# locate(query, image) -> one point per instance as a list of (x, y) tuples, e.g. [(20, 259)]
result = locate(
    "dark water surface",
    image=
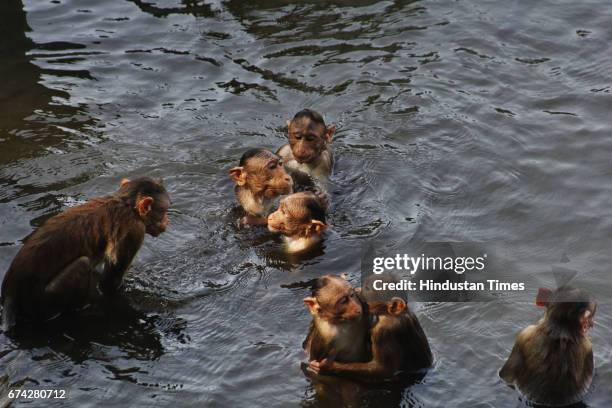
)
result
[(458, 121)]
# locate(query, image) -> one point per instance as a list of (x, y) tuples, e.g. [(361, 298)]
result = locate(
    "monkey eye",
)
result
[(310, 138), (272, 165), (344, 300), (297, 136), (280, 163)]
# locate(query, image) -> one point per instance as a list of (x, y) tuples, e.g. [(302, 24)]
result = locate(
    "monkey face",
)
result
[(263, 174), (296, 216), (151, 202), (335, 300), (158, 220), (308, 139)]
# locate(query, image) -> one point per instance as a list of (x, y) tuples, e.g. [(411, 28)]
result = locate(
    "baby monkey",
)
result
[(552, 361), (339, 328), (399, 345), (260, 179), (300, 218), (307, 155)]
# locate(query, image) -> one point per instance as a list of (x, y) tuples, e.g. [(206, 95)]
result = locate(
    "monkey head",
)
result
[(309, 136), (262, 172), (568, 307), (150, 200), (299, 215), (334, 300), (393, 307)]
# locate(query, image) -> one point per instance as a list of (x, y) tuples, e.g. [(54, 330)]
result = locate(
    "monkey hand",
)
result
[(324, 366)]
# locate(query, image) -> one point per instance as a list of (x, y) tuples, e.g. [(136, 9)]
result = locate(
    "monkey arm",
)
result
[(371, 369), (115, 269), (383, 365)]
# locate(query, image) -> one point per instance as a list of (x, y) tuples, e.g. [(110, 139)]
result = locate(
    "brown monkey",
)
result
[(85, 250), (398, 342), (552, 361), (300, 217), (260, 179), (307, 153), (339, 327)]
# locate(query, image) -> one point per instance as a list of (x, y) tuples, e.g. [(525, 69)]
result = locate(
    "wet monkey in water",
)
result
[(260, 179), (83, 252), (307, 155), (300, 218), (552, 361), (339, 327), (398, 345)]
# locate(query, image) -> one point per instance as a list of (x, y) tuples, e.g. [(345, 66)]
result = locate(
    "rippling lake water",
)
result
[(474, 121)]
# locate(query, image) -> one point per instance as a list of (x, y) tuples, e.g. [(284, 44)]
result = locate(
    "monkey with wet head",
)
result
[(260, 180), (300, 218), (552, 361), (308, 155), (83, 252), (339, 328), (397, 340)]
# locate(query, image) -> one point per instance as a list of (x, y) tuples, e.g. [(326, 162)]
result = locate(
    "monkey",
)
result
[(300, 218), (552, 361), (398, 345), (82, 253), (339, 328), (307, 155), (260, 179)]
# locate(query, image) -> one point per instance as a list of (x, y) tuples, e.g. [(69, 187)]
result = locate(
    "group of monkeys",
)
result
[(82, 254)]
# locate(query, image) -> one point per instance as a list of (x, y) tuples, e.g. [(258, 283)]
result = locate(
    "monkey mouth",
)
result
[(304, 159)]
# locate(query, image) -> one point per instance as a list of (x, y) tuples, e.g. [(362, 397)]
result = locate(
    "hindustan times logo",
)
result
[(411, 264)]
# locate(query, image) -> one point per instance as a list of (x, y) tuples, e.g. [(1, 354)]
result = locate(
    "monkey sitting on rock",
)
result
[(83, 252)]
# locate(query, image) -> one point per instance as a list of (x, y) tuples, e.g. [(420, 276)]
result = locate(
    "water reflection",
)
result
[(32, 115), (85, 334), (331, 391), (194, 7)]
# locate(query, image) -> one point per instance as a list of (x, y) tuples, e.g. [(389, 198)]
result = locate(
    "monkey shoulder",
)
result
[(527, 334), (328, 157)]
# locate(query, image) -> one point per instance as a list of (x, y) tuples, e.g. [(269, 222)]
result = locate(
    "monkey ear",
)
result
[(312, 304), (543, 297), (238, 175), (288, 123), (585, 321), (396, 306), (329, 133), (144, 205), (315, 227), (123, 182)]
